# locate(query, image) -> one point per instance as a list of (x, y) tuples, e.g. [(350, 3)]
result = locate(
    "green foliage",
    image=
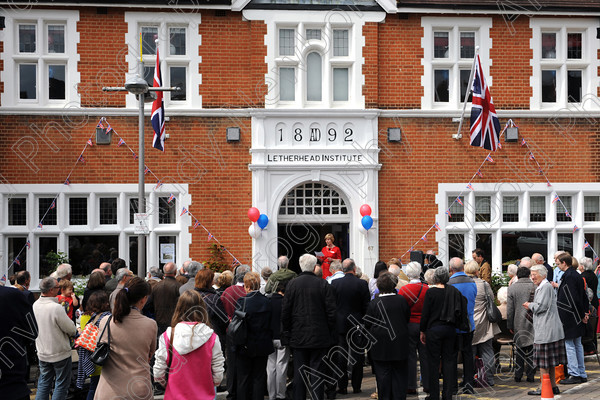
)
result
[(55, 259), (216, 262), (79, 285)]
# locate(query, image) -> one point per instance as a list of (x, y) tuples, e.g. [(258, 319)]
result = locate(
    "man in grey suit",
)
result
[(192, 269), (518, 324)]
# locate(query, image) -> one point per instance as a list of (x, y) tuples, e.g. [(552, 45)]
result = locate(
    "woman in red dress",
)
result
[(330, 253)]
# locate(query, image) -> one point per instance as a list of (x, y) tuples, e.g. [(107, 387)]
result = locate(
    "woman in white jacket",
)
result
[(189, 360)]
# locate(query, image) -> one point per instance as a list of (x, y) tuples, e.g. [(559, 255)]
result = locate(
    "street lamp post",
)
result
[(138, 86)]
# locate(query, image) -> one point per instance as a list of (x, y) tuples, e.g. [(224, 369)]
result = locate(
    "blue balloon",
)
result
[(262, 221), (367, 222)]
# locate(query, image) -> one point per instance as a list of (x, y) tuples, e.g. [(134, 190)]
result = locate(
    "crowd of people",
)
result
[(191, 332)]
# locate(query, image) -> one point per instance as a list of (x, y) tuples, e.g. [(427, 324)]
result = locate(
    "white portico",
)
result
[(337, 149)]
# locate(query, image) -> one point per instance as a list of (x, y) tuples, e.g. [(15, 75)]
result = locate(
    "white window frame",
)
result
[(326, 21), (454, 26), (41, 58), (191, 60), (470, 228), (588, 63), (93, 192)]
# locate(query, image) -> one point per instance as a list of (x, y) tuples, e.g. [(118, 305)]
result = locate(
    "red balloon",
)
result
[(365, 209), (253, 214)]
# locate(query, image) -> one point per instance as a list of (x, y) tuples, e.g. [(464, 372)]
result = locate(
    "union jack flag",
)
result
[(196, 224), (210, 236), (121, 143), (448, 214), (3, 278), (158, 184), (28, 244), (531, 156), (459, 201), (555, 199), (89, 142), (567, 213), (575, 229), (184, 211), (17, 261), (100, 125), (108, 128), (523, 142), (146, 170), (479, 174), (469, 186), (135, 157), (411, 248), (67, 181), (53, 205), (489, 159), (158, 110), (81, 159), (499, 145), (596, 259), (437, 226), (485, 126), (586, 244), (40, 225), (424, 238), (171, 198)]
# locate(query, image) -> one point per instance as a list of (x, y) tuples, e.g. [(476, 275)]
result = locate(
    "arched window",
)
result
[(313, 199), (314, 77)]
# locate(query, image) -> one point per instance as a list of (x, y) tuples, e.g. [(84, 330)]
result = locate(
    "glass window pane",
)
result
[(149, 75), (78, 211), (87, 252), (549, 45), (456, 245), (108, 211), (56, 39), (177, 41), (467, 44), (516, 245), (313, 34), (549, 86), (47, 210), (537, 208), (465, 74), (561, 213), (45, 246), (483, 241), (440, 44), (166, 210), (27, 81), (591, 206), (133, 253), (440, 83), (27, 38), (287, 84), (17, 211), (510, 209), (483, 209), (340, 42), (594, 240), (286, 42), (133, 209), (56, 82), (167, 247), (340, 84), (457, 210), (15, 249), (564, 242), (574, 86), (178, 78), (574, 46), (313, 77), (149, 35)]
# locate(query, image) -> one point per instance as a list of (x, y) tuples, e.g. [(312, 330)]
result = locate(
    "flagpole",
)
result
[(458, 135), (141, 176)]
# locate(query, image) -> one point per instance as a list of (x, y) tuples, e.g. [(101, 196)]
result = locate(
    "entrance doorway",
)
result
[(295, 239)]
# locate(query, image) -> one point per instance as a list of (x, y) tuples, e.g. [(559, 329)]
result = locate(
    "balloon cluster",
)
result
[(260, 219), (367, 220)]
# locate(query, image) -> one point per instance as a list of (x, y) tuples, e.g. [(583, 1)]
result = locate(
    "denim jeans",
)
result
[(575, 361), (93, 385), (58, 372)]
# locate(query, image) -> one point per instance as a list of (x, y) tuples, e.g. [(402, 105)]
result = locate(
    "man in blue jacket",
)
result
[(466, 286)]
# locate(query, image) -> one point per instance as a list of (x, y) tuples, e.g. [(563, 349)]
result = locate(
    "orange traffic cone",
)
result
[(547, 388)]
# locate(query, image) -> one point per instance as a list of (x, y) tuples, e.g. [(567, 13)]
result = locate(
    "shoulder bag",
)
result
[(493, 313), (237, 331), (89, 336), (102, 351)]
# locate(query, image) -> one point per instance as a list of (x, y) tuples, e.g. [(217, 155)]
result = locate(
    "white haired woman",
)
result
[(512, 273), (414, 294), (548, 335)]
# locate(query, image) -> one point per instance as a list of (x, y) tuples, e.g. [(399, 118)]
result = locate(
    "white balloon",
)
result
[(362, 229), (254, 232)]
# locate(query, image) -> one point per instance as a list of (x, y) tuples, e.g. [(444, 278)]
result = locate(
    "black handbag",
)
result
[(237, 331), (493, 313), (100, 355)]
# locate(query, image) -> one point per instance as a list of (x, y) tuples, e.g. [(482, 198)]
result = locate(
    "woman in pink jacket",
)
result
[(189, 360)]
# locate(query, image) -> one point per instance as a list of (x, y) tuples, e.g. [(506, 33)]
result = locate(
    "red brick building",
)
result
[(318, 92)]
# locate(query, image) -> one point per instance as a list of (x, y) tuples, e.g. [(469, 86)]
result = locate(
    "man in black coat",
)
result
[(352, 299), (308, 327), (573, 305), (18, 328)]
